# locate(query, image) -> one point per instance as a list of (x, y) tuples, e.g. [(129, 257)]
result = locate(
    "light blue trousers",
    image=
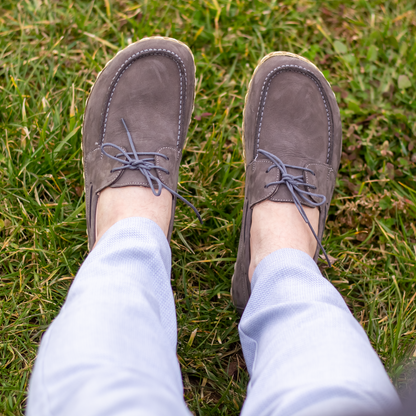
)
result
[(112, 348)]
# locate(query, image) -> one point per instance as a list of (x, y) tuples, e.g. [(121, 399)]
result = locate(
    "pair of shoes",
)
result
[(137, 117)]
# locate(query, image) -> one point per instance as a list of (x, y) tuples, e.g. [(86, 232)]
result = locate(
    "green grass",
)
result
[(50, 54)]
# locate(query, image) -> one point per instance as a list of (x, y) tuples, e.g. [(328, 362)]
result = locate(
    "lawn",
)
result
[(50, 54)]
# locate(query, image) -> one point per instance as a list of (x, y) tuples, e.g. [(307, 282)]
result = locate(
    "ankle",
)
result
[(280, 225), (116, 204)]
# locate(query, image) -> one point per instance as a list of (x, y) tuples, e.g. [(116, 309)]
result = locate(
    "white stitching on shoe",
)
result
[(330, 170), (158, 160), (276, 71), (272, 189), (151, 52)]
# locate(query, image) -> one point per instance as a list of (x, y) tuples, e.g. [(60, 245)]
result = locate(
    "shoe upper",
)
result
[(290, 114), (144, 96)]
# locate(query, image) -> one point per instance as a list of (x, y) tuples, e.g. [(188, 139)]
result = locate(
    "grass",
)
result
[(50, 54)]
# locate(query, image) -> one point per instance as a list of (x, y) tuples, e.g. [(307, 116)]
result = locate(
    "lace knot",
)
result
[(131, 160)]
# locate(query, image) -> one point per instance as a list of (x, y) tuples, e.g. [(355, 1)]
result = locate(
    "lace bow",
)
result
[(131, 160)]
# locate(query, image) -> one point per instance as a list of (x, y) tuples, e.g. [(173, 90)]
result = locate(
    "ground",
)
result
[(50, 54)]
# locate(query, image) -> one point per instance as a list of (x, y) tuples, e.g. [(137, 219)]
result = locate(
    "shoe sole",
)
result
[(108, 63)]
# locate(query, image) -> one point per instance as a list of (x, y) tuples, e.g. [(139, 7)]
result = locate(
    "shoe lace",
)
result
[(131, 160), (293, 183)]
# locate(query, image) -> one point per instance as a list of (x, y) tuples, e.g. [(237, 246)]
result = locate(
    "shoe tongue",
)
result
[(284, 195), (130, 178)]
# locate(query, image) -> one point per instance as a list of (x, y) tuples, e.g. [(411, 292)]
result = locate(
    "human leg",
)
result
[(305, 352), (112, 349)]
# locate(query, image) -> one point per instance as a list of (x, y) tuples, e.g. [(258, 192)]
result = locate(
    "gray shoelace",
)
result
[(293, 183), (131, 160)]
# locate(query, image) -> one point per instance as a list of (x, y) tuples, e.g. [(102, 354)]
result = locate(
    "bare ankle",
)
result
[(280, 225), (115, 204)]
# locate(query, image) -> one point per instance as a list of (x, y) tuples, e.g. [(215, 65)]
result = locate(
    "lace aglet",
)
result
[(329, 263), (326, 257), (197, 214)]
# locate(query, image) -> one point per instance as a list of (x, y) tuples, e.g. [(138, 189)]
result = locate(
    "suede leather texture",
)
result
[(151, 85), (292, 113)]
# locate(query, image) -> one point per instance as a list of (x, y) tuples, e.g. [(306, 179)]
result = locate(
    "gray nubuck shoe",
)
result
[(136, 121), (292, 143)]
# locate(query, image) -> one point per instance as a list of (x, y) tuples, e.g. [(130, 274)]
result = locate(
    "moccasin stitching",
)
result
[(263, 96), (141, 54), (273, 189), (329, 168), (158, 160)]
